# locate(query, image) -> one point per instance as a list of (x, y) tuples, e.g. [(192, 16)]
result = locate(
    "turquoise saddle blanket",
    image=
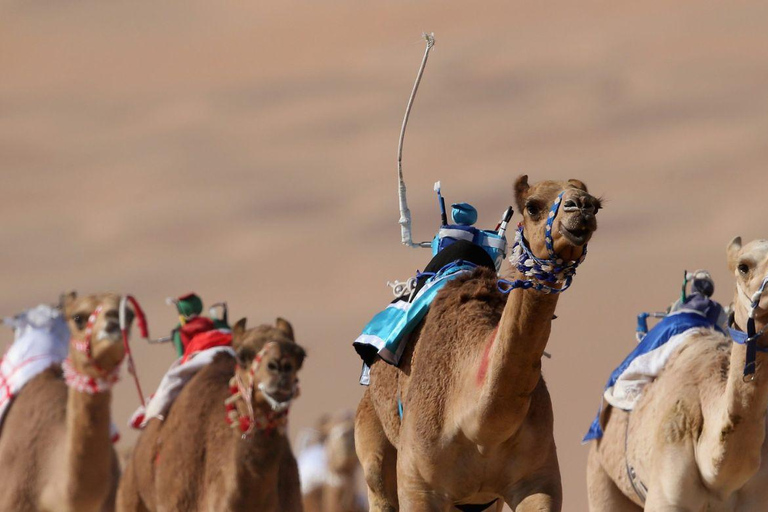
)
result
[(386, 335)]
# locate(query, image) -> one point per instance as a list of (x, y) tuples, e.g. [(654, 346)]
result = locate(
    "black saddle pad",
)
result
[(459, 250)]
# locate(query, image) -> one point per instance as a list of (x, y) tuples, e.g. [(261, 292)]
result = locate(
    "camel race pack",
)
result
[(686, 317), (197, 339), (457, 249)]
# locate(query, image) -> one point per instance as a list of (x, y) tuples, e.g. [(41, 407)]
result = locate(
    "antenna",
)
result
[(405, 212)]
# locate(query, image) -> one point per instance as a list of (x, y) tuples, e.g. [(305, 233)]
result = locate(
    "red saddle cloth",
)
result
[(199, 334)]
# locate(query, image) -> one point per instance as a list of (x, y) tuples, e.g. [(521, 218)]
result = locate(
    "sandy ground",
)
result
[(247, 152)]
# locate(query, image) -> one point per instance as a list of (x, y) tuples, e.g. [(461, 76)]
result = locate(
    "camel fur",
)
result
[(194, 461), (696, 436), (56, 453), (477, 421)]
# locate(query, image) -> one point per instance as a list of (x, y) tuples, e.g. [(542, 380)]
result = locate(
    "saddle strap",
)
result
[(640, 489)]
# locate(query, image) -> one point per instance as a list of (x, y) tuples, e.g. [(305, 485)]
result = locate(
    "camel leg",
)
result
[(378, 458), (676, 486), (128, 499), (542, 500), (603, 494), (541, 492)]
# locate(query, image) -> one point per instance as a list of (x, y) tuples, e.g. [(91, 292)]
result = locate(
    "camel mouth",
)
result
[(278, 399), (109, 335), (576, 237)]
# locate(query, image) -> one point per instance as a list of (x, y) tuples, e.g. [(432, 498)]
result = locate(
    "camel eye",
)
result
[(743, 268), (272, 366), (532, 209), (79, 321)]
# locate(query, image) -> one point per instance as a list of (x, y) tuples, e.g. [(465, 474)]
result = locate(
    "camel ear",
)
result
[(67, 299), (237, 330), (285, 327), (732, 252), (521, 191), (578, 184)]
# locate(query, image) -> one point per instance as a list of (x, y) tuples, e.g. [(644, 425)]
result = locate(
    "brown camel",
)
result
[(477, 418), (55, 449), (337, 492), (223, 445), (695, 439)]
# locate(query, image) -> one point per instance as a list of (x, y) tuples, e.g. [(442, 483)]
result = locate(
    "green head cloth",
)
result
[(189, 305)]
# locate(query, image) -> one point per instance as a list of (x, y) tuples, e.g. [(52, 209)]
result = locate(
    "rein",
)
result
[(276, 419), (751, 336), (141, 320), (546, 272)]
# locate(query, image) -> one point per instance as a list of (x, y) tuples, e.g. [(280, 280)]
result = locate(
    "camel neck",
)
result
[(510, 367), (255, 468), (747, 397), (88, 446)]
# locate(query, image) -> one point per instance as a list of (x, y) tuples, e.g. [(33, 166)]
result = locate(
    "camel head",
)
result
[(269, 361), (749, 263), (340, 443), (573, 224), (96, 346)]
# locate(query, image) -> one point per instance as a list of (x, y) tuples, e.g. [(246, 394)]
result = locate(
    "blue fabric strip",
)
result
[(387, 330), (672, 325)]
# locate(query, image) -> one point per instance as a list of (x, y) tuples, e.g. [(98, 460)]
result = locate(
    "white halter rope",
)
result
[(87, 384), (751, 337), (277, 419)]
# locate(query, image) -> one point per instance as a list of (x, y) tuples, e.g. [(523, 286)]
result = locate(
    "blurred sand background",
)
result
[(246, 151)]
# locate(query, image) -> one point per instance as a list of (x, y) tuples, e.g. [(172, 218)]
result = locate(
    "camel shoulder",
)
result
[(208, 387), (698, 369)]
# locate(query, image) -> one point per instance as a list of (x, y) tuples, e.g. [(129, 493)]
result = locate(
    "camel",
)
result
[(477, 419), (222, 445), (336, 490), (695, 439), (56, 452)]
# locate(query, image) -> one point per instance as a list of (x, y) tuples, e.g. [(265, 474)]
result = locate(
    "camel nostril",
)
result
[(570, 205), (112, 327)]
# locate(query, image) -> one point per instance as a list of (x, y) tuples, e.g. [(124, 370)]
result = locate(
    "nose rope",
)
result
[(750, 364), (141, 321), (80, 381), (552, 271), (275, 419)]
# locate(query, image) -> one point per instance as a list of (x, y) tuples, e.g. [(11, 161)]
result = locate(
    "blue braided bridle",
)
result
[(750, 338), (547, 272)]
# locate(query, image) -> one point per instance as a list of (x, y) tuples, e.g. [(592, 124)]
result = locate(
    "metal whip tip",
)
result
[(430, 38)]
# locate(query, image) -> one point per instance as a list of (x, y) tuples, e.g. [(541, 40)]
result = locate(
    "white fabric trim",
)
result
[(370, 339), (174, 381), (41, 340), (313, 467), (456, 233), (643, 370)]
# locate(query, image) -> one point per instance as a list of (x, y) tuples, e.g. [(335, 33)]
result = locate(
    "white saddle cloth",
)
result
[(643, 370), (172, 383), (41, 338)]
